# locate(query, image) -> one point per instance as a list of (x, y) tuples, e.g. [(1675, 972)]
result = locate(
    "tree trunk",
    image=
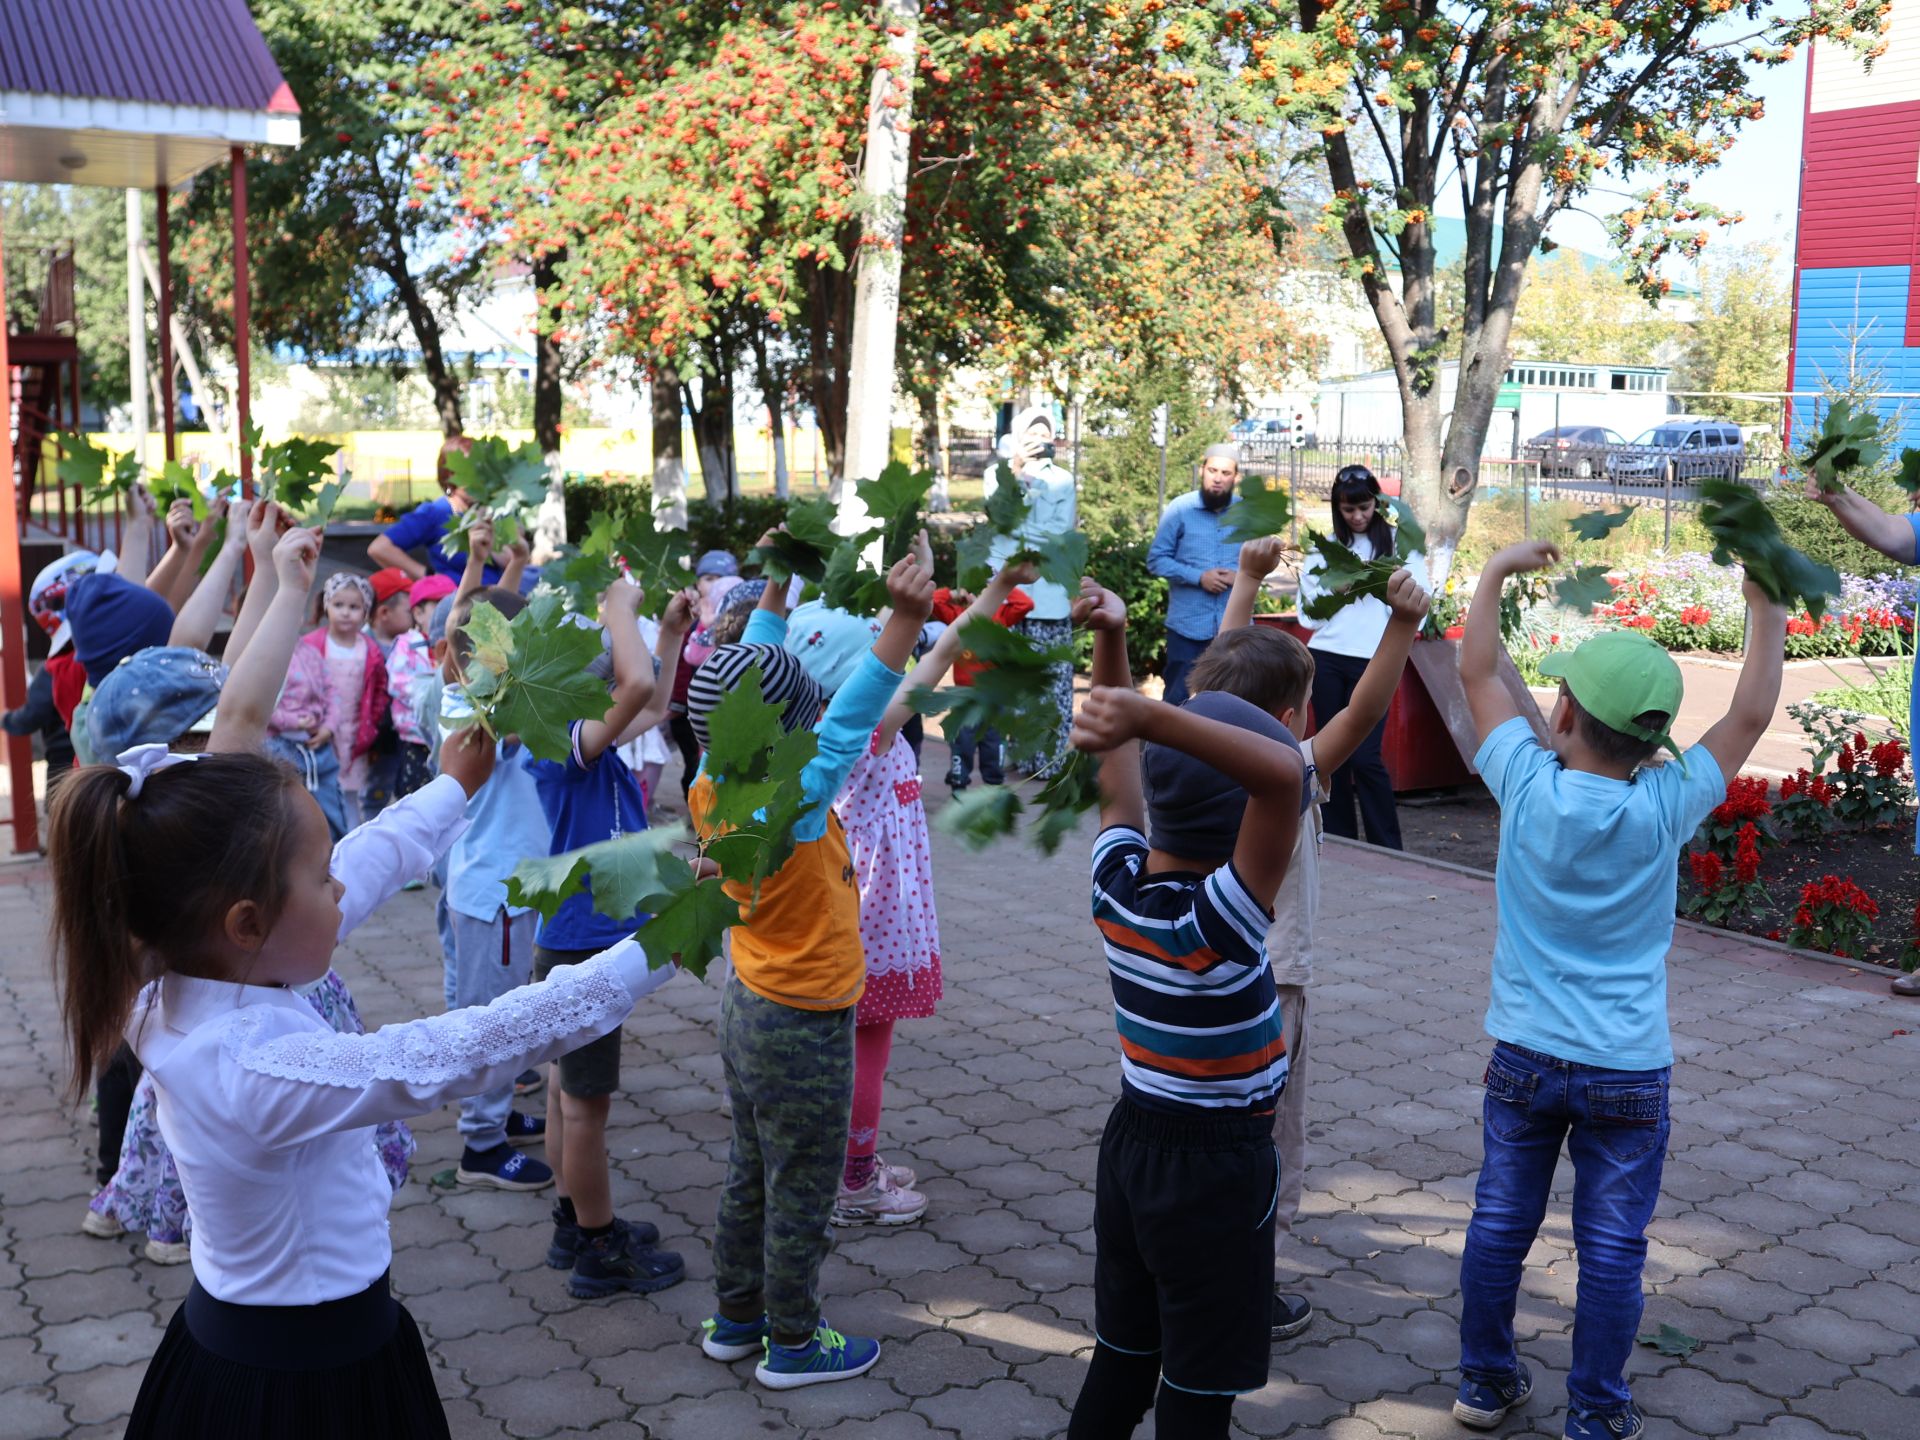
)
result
[(876, 311), (830, 337), (669, 466), (550, 527), (938, 501), (777, 431), (773, 392), (713, 437)]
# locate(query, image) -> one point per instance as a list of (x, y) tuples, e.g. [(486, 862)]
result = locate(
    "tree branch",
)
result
[(1393, 166)]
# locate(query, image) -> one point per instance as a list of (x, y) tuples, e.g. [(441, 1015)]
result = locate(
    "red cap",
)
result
[(388, 583)]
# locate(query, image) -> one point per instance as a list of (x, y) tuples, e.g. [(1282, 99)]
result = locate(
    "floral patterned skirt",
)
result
[(145, 1192)]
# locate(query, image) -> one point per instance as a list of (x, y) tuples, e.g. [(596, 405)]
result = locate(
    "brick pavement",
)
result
[(1784, 1239)]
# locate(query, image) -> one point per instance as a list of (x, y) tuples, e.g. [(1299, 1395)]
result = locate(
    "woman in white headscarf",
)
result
[(1051, 512)]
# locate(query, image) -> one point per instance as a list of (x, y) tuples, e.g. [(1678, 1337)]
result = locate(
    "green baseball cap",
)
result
[(1618, 675)]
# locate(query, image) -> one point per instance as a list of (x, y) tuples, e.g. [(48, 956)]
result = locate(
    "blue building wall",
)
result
[(1838, 307)]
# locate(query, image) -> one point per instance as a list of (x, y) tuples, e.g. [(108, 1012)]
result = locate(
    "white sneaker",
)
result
[(169, 1252), (901, 1177), (102, 1227), (880, 1202)]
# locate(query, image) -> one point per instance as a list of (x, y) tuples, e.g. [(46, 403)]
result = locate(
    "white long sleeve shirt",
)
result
[(269, 1112), (1356, 630)]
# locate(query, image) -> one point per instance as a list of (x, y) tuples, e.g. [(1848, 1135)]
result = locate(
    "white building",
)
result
[(1538, 395)]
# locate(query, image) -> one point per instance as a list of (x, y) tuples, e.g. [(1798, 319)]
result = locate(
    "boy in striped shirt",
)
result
[(1184, 1204)]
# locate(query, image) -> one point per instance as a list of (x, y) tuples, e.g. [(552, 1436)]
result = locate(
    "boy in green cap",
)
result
[(1590, 838)]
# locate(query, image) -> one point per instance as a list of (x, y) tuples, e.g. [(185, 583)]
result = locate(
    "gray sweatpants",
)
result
[(1290, 1120), (490, 957)]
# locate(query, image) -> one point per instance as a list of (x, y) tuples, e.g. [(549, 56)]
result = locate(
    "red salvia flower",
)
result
[(1746, 860), (1706, 868)]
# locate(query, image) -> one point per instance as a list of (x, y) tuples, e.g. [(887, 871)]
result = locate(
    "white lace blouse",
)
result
[(269, 1112)]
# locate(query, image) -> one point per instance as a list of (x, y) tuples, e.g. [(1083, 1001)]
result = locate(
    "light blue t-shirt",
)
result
[(505, 825), (1586, 886)]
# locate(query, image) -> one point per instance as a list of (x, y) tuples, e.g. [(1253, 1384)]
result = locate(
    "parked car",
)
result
[(1579, 451), (1687, 446)]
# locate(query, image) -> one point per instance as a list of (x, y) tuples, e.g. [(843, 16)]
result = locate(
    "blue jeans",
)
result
[(1181, 653), (1615, 1125)]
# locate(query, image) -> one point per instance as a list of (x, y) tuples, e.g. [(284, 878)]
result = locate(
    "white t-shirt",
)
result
[(1290, 938)]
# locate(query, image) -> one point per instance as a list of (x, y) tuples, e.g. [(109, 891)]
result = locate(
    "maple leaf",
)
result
[(291, 471), (1013, 696), (1262, 509), (893, 502), (619, 873), (329, 497), (84, 464), (988, 814), (1061, 559), (1598, 524), (1070, 792), (176, 482), (626, 544), (1007, 509), (1670, 1340), (1846, 440), (803, 548), (1344, 577), (688, 917), (1585, 588), (851, 585), (1744, 530), (504, 482), (528, 677), (1409, 536)]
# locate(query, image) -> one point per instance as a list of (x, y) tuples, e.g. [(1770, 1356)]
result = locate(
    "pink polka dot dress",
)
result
[(886, 826)]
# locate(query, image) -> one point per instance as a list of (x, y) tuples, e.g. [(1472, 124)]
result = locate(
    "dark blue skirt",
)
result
[(348, 1369)]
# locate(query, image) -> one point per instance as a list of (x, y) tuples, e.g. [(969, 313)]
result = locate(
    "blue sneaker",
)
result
[(525, 1129), (731, 1340), (617, 1262), (565, 1245), (828, 1356), (1619, 1425), (1483, 1404), (502, 1168)]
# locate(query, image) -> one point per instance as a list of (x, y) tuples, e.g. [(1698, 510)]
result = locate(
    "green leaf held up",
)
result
[(528, 677), (1261, 510), (1585, 588), (1847, 440), (1744, 530), (1598, 524)]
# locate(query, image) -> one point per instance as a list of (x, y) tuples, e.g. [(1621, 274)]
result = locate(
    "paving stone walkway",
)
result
[(1785, 1239)]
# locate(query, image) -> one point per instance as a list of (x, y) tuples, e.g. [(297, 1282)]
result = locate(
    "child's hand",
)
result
[(1098, 608), (910, 587), (181, 526), (467, 756), (680, 611), (1109, 717), (1405, 598), (1260, 558), (1524, 556), (622, 599), (923, 551), (294, 558), (766, 536), (140, 503), (520, 552), (480, 541), (239, 516), (263, 531), (1014, 573)]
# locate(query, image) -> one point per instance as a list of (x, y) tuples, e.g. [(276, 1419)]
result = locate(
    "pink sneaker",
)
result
[(901, 1177), (880, 1202)]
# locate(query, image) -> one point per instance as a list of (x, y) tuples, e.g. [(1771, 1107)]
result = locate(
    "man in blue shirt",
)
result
[(425, 527), (1198, 562)]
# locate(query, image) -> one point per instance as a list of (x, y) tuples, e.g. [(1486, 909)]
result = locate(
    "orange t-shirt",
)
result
[(800, 946)]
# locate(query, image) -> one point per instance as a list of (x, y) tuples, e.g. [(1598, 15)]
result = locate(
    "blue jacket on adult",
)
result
[(426, 526), (1190, 541)]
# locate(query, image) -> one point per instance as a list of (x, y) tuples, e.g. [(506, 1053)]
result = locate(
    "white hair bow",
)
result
[(144, 760)]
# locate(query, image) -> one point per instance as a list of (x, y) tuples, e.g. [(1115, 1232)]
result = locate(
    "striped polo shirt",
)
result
[(1193, 992)]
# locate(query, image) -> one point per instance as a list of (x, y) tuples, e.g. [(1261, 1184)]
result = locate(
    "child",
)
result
[(221, 869), (408, 666), (1271, 669), (590, 798), (492, 942), (1184, 1198), (336, 691), (1590, 836), (787, 1017), (951, 606), (715, 574), (392, 611)]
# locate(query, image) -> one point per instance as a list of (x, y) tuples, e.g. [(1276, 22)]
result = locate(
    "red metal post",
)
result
[(79, 533), (166, 318), (241, 307), (13, 610)]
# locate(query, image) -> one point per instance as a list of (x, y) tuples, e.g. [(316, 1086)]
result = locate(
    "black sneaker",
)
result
[(525, 1129), (615, 1262), (566, 1238), (958, 777), (1291, 1315), (528, 1082)]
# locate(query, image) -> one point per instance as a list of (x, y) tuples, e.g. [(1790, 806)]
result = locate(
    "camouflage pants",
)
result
[(790, 1077)]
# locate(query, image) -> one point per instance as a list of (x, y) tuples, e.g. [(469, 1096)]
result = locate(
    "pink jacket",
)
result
[(303, 699)]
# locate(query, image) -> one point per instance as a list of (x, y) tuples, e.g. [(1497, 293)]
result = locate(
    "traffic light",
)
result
[(1299, 437), (1160, 425)]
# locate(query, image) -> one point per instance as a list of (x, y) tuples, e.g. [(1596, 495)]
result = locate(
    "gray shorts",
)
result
[(594, 1069)]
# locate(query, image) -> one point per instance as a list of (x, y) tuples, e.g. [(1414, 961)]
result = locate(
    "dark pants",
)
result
[(915, 731), (689, 743), (966, 743), (1364, 777), (1615, 1125), (1181, 653), (113, 1095)]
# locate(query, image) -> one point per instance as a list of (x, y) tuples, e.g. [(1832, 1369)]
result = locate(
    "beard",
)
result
[(1214, 502)]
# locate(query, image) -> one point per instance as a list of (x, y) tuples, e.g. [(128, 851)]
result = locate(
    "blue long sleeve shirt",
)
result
[(1190, 541)]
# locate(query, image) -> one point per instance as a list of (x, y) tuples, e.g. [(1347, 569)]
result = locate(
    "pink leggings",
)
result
[(872, 1048)]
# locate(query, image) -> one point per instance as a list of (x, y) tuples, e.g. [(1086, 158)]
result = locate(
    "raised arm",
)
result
[(1891, 535), (518, 553), (182, 531), (194, 625), (1341, 734), (266, 523), (1492, 706), (479, 551), (205, 535), (934, 665), (253, 684), (1123, 799), (674, 625), (136, 547), (1258, 559), (773, 597), (632, 670), (1733, 737)]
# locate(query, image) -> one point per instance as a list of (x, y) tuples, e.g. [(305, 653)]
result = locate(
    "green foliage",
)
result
[(293, 471), (893, 511), (1121, 566), (1810, 528), (1743, 529), (803, 548), (529, 677), (1263, 509), (506, 484), (1119, 469), (617, 543), (1847, 440), (1598, 524), (1907, 477), (1671, 1340), (324, 504), (1585, 588), (984, 816), (84, 464), (623, 872), (176, 482), (1011, 696)]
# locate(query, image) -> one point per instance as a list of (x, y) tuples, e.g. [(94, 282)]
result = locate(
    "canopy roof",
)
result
[(134, 93)]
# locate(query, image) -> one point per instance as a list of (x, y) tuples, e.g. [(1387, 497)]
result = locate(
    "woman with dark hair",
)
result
[(1341, 649)]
